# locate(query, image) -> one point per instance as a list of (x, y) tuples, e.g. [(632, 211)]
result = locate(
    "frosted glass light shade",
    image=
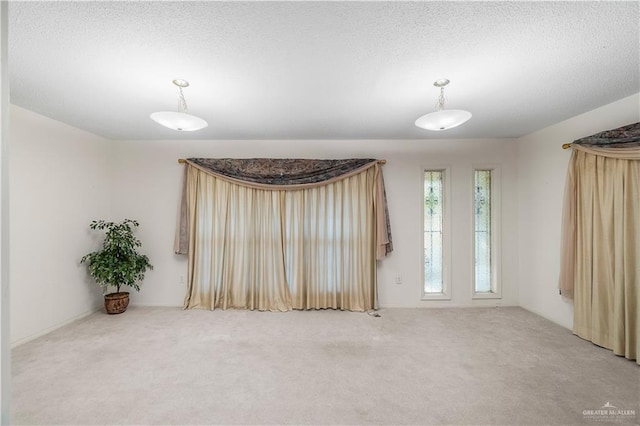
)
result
[(179, 121), (443, 120)]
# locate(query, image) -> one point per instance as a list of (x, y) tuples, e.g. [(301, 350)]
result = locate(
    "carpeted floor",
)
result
[(153, 366)]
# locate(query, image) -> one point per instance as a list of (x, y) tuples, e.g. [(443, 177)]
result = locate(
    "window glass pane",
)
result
[(482, 231), (433, 202)]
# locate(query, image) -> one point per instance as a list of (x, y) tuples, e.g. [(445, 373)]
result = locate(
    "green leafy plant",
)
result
[(118, 262)]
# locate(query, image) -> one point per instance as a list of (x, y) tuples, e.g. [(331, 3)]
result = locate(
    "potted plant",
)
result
[(117, 263)]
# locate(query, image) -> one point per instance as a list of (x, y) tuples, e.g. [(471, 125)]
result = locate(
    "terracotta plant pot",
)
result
[(116, 303)]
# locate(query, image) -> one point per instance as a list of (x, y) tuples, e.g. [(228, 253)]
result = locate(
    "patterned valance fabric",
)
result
[(622, 137), (280, 171)]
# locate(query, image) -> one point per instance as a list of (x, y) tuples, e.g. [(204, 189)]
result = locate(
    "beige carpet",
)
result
[(153, 366)]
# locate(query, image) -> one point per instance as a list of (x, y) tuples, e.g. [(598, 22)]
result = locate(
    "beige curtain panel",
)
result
[(281, 247), (601, 246)]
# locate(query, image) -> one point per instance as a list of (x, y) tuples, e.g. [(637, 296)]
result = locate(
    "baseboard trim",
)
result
[(48, 330), (446, 304)]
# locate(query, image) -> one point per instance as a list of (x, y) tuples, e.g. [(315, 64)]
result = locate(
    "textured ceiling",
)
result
[(320, 70)]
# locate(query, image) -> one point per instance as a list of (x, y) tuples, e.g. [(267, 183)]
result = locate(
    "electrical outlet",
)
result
[(398, 279)]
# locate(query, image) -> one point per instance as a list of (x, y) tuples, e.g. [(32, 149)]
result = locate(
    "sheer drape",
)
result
[(330, 248), (277, 250), (601, 246), (235, 253)]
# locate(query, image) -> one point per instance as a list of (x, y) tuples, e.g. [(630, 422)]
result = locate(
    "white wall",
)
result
[(5, 339), (542, 167), (59, 183), (147, 182)]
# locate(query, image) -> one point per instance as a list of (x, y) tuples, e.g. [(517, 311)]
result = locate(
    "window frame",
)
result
[(496, 253), (446, 233)]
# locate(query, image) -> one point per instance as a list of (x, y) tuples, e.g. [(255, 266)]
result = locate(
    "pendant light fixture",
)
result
[(179, 120), (443, 119)]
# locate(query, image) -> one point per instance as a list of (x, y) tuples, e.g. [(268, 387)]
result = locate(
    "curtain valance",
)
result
[(622, 153), (287, 174), (622, 137)]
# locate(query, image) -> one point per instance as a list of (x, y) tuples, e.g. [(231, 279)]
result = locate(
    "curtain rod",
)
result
[(566, 145), (182, 160)]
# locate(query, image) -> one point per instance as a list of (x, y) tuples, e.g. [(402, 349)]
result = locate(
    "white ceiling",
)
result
[(320, 70)]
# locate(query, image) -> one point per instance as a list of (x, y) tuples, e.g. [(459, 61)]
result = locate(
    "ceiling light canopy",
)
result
[(179, 120), (442, 119)]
